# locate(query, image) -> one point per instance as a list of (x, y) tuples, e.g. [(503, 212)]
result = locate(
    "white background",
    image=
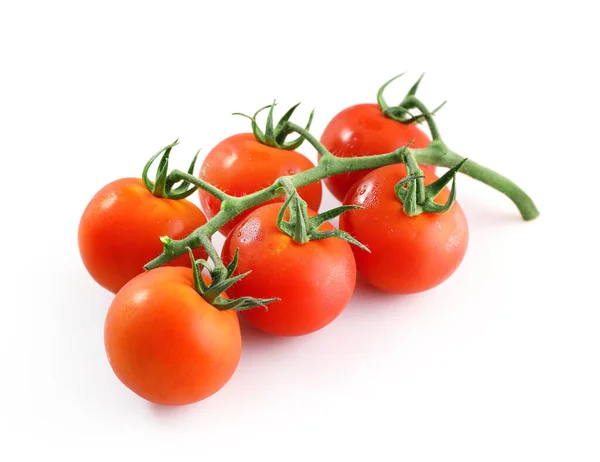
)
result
[(498, 363)]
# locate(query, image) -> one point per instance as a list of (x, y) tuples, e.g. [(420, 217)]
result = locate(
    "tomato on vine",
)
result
[(120, 229), (248, 162), (417, 235), (172, 336), (304, 261), (366, 130)]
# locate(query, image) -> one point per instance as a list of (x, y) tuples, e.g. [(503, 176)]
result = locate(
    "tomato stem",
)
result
[(444, 157), (413, 101), (178, 175), (435, 154), (304, 133)]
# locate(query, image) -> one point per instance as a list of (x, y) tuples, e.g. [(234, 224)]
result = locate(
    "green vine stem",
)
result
[(434, 154), (178, 175), (438, 154)]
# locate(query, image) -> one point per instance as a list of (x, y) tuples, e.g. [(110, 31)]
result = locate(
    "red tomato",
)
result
[(240, 165), (363, 130), (408, 254), (120, 229), (315, 280), (166, 343)]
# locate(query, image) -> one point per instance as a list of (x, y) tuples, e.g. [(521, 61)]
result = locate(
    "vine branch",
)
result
[(434, 154)]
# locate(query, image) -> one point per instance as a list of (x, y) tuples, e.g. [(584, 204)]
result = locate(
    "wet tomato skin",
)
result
[(363, 130), (408, 254)]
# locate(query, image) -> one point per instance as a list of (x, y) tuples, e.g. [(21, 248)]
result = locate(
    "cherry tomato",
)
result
[(315, 280), (240, 165), (408, 254), (120, 229), (166, 343), (363, 130)]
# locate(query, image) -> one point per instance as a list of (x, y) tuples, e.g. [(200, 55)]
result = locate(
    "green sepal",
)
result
[(199, 283), (418, 198), (269, 129), (340, 235), (185, 189), (295, 144), (408, 196), (321, 218), (162, 185), (380, 99), (281, 134), (297, 225), (234, 262), (220, 282), (303, 229), (415, 87), (258, 134), (401, 112), (158, 187), (218, 287), (245, 303), (275, 135)]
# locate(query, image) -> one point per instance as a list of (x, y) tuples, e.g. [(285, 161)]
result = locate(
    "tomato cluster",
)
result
[(175, 339)]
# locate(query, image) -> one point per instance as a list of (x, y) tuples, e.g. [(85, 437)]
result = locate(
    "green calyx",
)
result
[(222, 279), (164, 184), (418, 198), (402, 112), (303, 229), (275, 135)]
